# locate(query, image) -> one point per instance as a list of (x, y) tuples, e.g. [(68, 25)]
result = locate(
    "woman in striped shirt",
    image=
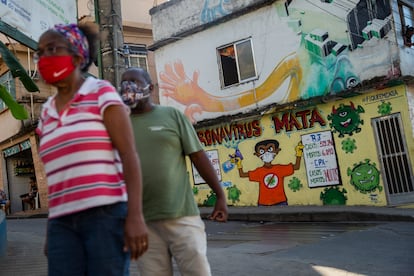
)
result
[(93, 170)]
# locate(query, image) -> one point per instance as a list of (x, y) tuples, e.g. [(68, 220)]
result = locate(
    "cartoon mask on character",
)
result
[(131, 94), (268, 157)]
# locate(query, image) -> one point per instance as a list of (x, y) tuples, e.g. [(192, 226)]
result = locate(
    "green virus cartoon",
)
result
[(195, 190), (345, 119), (294, 184), (384, 108), (210, 200), (365, 177), (333, 196), (233, 194), (348, 145)]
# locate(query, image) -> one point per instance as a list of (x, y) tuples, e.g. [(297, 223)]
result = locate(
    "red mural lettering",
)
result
[(299, 120), (280, 124), (257, 129), (303, 116), (293, 123), (218, 135), (316, 118)]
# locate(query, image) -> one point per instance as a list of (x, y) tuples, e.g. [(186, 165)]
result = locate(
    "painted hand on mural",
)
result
[(237, 160), (175, 84), (299, 149), (178, 86)]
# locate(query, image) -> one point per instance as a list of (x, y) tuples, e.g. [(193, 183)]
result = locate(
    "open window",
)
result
[(406, 10), (236, 62), (136, 56)]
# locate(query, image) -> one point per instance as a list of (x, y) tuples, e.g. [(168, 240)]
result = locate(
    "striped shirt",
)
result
[(83, 168)]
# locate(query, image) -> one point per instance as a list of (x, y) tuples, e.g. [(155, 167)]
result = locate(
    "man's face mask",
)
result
[(131, 93)]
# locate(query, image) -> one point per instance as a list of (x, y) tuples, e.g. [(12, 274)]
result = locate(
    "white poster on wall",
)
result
[(34, 17), (320, 159), (214, 159)]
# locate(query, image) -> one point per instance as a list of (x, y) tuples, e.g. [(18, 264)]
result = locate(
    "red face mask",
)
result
[(55, 68)]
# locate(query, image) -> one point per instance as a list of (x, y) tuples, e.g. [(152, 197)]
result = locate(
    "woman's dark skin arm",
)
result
[(117, 122)]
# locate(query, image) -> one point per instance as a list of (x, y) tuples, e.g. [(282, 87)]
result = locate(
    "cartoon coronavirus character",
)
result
[(195, 190), (365, 177), (346, 119), (333, 196), (384, 108), (348, 145), (210, 200), (294, 184), (233, 194)]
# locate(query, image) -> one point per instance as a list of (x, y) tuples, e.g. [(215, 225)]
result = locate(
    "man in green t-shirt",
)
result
[(164, 137)]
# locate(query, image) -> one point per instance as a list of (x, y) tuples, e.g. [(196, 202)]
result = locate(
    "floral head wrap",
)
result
[(76, 37)]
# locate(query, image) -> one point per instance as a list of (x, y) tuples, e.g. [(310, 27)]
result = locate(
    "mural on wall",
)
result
[(328, 59), (346, 119), (213, 9), (320, 159), (360, 183), (270, 177), (365, 177), (349, 145), (340, 55), (384, 108), (214, 159), (334, 196), (175, 84)]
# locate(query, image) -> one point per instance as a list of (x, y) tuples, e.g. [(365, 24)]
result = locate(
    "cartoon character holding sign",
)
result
[(270, 177)]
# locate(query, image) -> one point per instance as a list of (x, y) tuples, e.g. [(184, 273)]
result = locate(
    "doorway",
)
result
[(395, 162)]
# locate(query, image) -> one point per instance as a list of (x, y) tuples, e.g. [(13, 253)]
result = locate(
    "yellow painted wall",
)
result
[(374, 104)]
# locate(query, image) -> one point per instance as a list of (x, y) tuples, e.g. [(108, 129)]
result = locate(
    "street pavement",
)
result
[(26, 245)]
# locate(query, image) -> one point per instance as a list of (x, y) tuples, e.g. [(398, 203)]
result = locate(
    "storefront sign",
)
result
[(320, 159), (17, 148)]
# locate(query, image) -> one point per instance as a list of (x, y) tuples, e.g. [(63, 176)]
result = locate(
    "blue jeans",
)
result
[(88, 243)]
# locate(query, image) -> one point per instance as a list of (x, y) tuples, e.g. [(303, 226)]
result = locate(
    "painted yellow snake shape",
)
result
[(186, 91)]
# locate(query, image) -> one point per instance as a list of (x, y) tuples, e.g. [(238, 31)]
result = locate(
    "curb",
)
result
[(293, 214), (318, 217), (314, 214)]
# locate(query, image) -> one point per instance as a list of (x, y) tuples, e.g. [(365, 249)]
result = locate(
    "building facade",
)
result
[(334, 77), (18, 141)]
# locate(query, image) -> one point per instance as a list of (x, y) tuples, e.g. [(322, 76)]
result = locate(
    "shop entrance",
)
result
[(19, 170), (395, 161)]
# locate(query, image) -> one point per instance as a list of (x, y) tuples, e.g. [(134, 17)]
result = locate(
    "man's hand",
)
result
[(135, 237), (220, 212)]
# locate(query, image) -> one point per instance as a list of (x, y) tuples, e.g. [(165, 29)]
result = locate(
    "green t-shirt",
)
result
[(164, 137)]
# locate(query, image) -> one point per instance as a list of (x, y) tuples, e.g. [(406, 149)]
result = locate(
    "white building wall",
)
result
[(198, 54)]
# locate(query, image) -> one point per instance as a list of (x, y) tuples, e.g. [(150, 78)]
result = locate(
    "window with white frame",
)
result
[(406, 10), (136, 56), (7, 81), (237, 63)]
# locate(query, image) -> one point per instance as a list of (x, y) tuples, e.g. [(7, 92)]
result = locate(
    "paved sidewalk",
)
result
[(304, 213), (29, 244)]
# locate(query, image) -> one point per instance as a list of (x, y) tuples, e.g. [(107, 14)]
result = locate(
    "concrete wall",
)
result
[(406, 53), (178, 16), (301, 51)]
